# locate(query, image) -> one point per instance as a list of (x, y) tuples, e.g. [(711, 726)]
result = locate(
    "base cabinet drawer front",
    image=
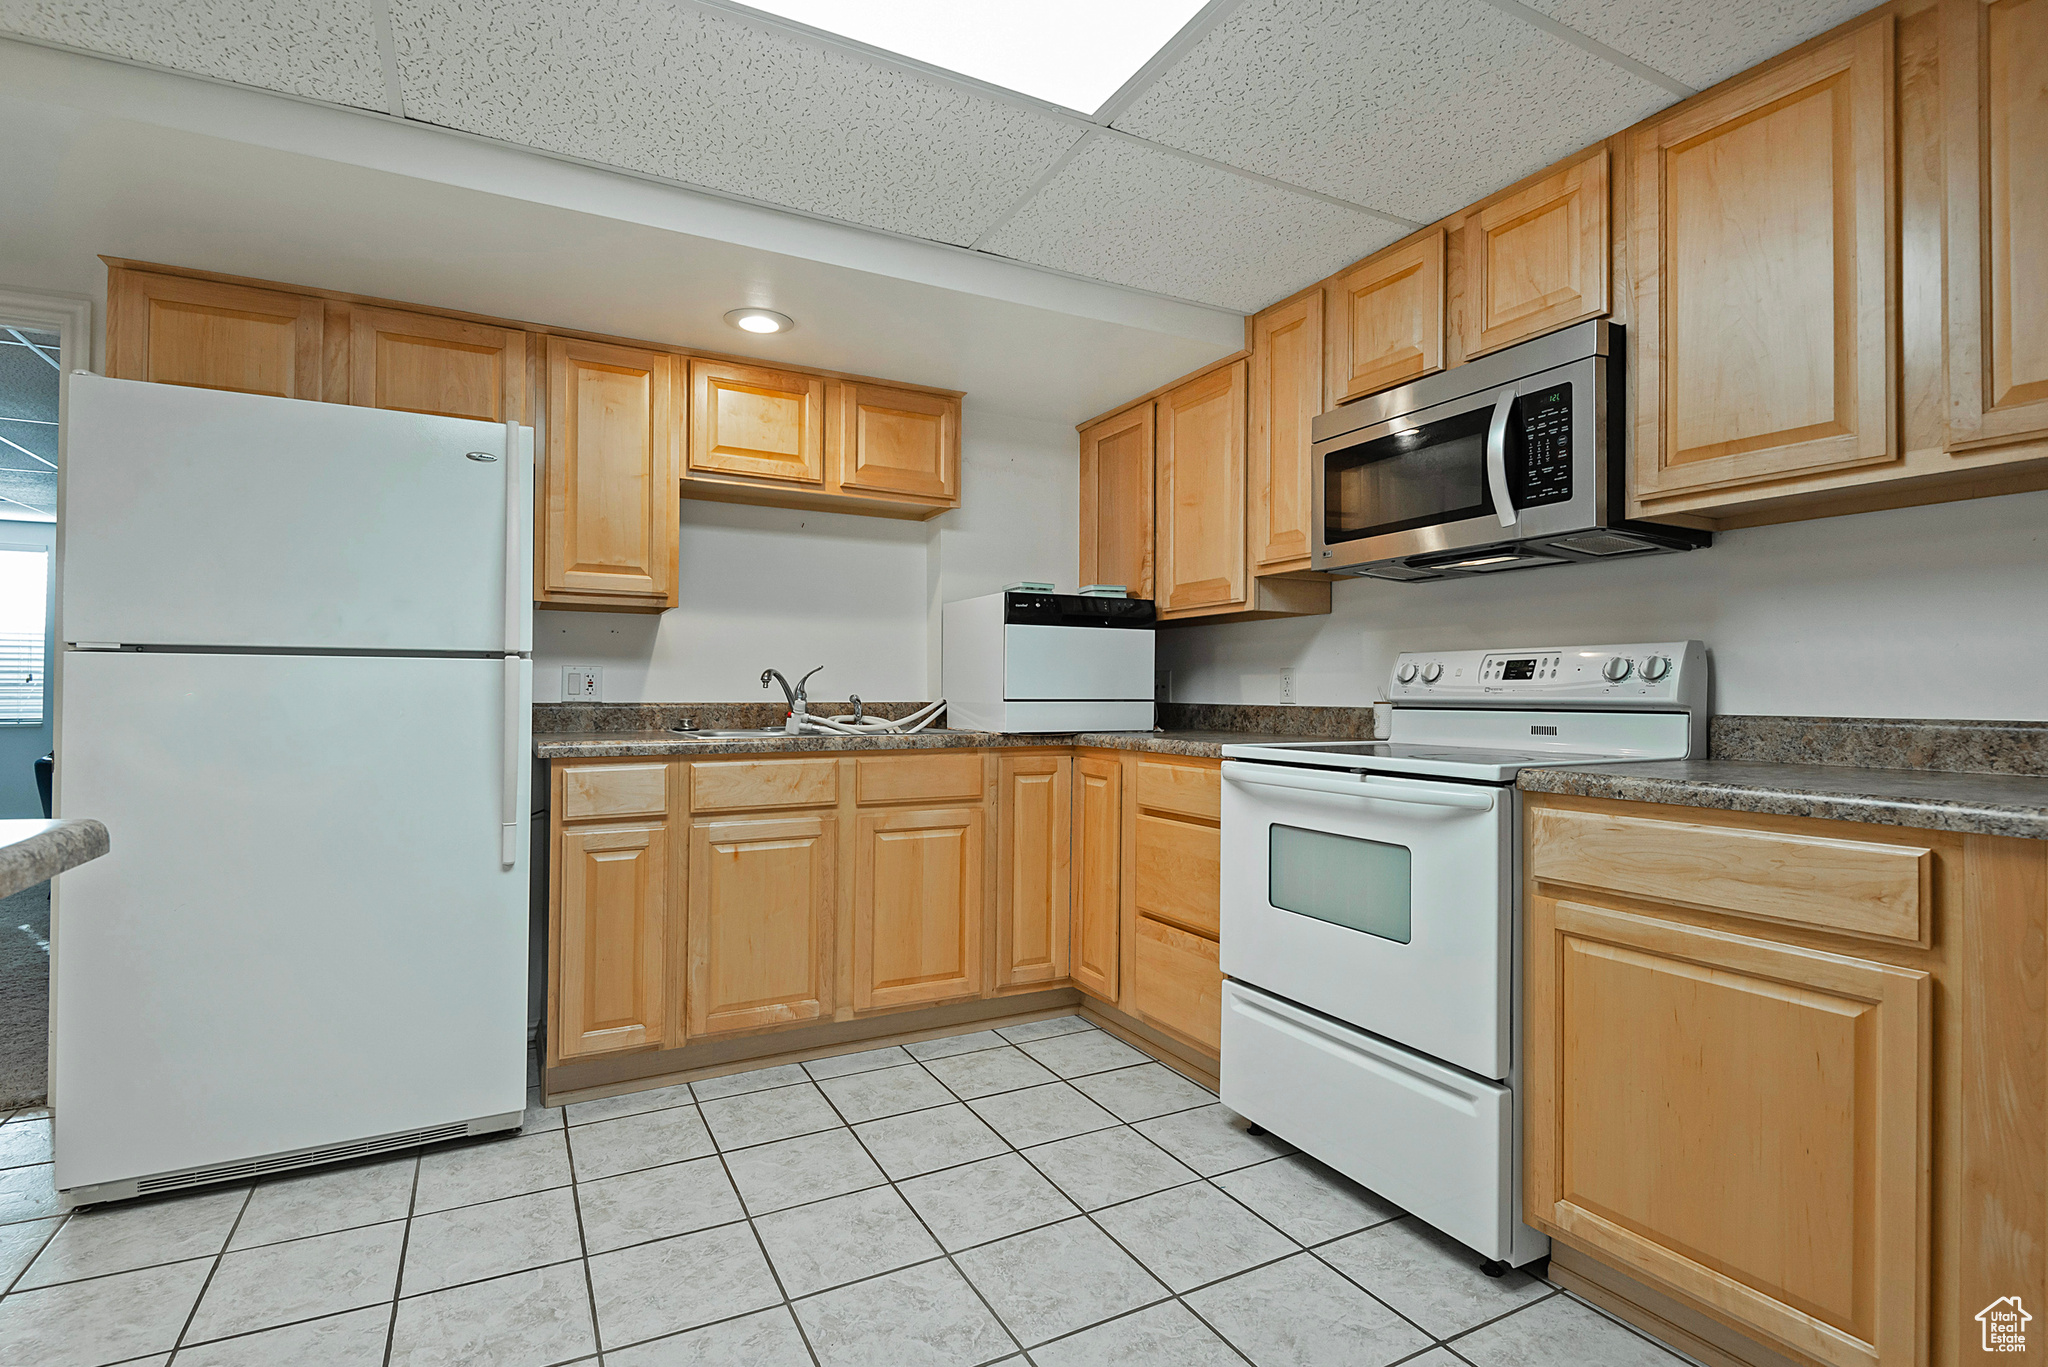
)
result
[(762, 894), (1880, 890), (1741, 1120), (736, 785), (612, 989), (1033, 876), (1098, 874), (1194, 790), (1176, 982), (917, 908), (920, 778), (592, 791), (1179, 872)]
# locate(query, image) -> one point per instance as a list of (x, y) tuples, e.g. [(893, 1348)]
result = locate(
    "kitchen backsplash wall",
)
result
[(1915, 612)]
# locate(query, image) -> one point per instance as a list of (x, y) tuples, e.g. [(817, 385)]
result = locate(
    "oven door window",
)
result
[(1422, 477), (1362, 885)]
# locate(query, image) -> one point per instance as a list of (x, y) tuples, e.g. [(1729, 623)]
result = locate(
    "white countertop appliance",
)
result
[(295, 686), (1371, 916), (1047, 663)]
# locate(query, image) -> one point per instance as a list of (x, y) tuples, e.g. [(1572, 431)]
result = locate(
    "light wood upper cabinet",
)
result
[(1098, 873), (1201, 491), (749, 420), (917, 906), (608, 522), (1537, 260), (213, 335), (1116, 501), (894, 442), (1034, 798), (1995, 104), (612, 983), (1386, 318), (1286, 396), (423, 363), (762, 893), (1764, 252)]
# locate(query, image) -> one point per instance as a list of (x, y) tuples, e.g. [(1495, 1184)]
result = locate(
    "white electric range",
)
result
[(1371, 916)]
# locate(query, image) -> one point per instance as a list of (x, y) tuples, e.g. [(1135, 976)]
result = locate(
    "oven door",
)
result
[(1383, 901)]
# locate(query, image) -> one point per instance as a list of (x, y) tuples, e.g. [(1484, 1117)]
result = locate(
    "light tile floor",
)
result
[(1039, 1194)]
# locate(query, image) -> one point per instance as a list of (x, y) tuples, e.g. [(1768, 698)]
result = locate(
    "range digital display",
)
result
[(1519, 669)]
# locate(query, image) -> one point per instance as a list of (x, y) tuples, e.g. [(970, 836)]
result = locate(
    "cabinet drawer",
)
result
[(1179, 868), (1177, 983), (764, 783), (1870, 888), (1189, 790), (608, 790), (915, 778)]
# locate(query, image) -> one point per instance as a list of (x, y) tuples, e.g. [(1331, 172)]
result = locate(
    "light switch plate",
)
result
[(582, 683)]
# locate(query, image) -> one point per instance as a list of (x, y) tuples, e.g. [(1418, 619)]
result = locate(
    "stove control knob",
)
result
[(1617, 669), (1431, 672), (1655, 668), (1406, 673)]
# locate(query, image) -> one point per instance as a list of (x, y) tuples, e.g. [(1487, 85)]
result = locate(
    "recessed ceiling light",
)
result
[(760, 320), (1074, 53)]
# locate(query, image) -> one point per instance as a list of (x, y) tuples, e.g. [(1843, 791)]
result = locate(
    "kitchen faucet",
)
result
[(799, 701)]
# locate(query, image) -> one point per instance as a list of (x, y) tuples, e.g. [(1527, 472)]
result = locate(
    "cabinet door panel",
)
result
[(897, 441), (1540, 256), (917, 907), (1032, 887), (1098, 874), (1765, 246), (1116, 501), (761, 899), (1201, 493), (1387, 319), (422, 364), (1286, 396), (1997, 161), (613, 988), (1177, 983), (610, 520), (171, 330), (1738, 1119), (748, 420)]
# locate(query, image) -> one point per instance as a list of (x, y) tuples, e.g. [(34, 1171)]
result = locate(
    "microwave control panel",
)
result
[(1546, 473)]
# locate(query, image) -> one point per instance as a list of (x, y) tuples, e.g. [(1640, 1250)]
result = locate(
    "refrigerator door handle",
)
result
[(508, 793), (515, 592)]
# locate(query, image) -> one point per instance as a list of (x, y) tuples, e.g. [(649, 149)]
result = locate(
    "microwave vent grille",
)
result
[(1399, 573), (1604, 543)]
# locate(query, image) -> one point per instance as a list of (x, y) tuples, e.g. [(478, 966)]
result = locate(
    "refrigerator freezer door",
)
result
[(200, 517), (304, 933)]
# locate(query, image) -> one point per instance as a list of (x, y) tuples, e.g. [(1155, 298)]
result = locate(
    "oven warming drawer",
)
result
[(1432, 1139)]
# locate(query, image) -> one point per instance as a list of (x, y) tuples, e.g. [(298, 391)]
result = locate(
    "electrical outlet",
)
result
[(1162, 685), (582, 683), (1287, 686)]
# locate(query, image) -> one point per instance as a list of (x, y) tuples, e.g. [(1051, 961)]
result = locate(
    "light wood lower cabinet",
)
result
[(1034, 819), (1177, 983), (1098, 873), (917, 907), (613, 939), (1173, 897), (762, 892)]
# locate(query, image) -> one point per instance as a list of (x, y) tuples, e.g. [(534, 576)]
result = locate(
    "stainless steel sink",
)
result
[(718, 733)]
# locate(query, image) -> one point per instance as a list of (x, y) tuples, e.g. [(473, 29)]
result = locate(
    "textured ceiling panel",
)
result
[(322, 49), (1414, 107), (658, 87), (1132, 215), (1701, 44)]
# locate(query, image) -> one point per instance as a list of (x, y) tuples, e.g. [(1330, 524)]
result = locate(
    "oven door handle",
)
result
[(1238, 772), (1497, 457)]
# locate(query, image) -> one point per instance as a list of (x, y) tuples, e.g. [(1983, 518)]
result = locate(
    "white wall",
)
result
[(1918, 612), (859, 595)]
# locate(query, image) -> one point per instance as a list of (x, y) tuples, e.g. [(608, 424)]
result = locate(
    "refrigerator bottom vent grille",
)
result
[(305, 1158)]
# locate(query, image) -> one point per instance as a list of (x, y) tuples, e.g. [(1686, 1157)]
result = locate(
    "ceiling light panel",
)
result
[(1075, 53), (1134, 215), (1412, 107), (322, 49), (1701, 44), (676, 92)]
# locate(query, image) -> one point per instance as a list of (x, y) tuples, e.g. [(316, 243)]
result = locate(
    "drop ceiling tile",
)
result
[(1701, 44), (323, 49), (1413, 107), (658, 87), (1135, 215)]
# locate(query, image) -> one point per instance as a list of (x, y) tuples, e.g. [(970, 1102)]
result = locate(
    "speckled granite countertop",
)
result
[(1975, 804), (610, 744), (34, 851)]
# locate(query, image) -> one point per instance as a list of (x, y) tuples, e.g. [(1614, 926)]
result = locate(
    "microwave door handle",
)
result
[(1497, 457), (1237, 772)]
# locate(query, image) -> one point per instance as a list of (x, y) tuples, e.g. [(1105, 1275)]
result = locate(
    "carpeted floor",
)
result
[(24, 996)]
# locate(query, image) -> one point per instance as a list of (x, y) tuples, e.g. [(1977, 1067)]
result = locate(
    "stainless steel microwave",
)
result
[(1512, 461)]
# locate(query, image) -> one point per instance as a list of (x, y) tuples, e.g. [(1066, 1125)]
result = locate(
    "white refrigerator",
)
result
[(296, 686)]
